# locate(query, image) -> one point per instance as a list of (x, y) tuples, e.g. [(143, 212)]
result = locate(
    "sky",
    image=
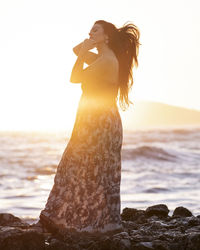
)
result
[(36, 56)]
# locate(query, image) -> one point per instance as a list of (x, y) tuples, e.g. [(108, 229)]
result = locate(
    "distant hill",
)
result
[(144, 114)]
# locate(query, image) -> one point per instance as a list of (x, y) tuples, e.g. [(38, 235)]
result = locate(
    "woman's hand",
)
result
[(87, 45)]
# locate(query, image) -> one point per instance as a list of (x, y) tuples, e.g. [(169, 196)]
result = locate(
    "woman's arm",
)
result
[(77, 48), (89, 57), (77, 70)]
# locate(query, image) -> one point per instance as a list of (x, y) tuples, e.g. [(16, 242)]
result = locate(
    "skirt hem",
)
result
[(60, 229)]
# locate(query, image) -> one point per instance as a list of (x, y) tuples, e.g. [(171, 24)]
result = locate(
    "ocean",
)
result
[(159, 166)]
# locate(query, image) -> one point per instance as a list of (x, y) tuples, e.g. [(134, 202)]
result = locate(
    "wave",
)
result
[(156, 190), (185, 130), (148, 152)]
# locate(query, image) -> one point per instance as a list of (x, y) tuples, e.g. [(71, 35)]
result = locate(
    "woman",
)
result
[(85, 197)]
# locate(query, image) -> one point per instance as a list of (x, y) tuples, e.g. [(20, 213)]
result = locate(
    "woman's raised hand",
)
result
[(88, 44)]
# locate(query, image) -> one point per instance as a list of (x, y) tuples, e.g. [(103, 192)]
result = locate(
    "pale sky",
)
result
[(36, 57)]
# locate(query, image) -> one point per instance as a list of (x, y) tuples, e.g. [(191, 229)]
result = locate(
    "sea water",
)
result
[(159, 166)]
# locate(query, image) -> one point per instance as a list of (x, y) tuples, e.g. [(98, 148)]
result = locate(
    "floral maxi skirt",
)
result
[(86, 193)]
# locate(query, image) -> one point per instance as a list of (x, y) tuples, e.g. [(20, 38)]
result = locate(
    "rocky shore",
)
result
[(150, 229)]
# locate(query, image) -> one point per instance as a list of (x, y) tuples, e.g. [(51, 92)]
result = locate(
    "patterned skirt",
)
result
[(85, 196)]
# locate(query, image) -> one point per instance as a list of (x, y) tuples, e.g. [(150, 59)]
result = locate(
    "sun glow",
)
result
[(36, 59)]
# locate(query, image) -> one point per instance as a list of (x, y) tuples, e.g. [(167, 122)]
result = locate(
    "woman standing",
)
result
[(85, 197)]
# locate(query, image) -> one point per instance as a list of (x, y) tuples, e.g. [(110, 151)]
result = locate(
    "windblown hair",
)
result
[(124, 42)]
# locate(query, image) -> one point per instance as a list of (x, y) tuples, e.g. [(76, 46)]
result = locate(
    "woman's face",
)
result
[(97, 33)]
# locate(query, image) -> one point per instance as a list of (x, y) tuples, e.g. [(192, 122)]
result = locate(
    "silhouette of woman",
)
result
[(85, 197)]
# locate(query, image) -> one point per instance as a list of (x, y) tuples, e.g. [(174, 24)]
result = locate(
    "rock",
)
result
[(132, 214), (193, 241), (181, 212), (160, 210), (160, 245), (144, 246), (150, 229), (122, 240), (7, 219), (20, 239), (57, 245)]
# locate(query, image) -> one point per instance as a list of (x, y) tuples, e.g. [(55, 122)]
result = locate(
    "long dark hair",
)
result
[(124, 42)]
